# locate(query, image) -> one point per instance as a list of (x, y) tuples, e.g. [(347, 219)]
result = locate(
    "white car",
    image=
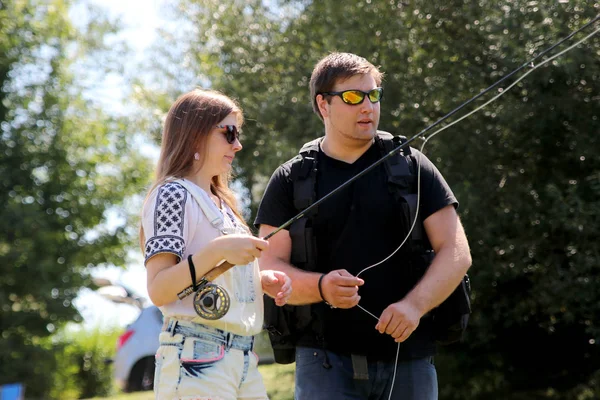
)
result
[(136, 347), (134, 359)]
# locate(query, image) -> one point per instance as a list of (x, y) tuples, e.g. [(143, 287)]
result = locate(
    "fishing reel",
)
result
[(211, 301)]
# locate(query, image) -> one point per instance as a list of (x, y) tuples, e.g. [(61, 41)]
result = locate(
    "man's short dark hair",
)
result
[(338, 67)]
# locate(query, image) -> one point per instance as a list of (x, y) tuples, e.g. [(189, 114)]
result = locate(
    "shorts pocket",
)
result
[(167, 369), (200, 354)]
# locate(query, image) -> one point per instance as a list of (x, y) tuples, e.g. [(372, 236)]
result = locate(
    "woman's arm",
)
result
[(167, 277)]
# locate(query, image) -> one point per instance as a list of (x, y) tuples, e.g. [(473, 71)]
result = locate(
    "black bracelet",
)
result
[(192, 272), (321, 291)]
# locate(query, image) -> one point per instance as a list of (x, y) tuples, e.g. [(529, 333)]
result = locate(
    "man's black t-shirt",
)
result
[(357, 227)]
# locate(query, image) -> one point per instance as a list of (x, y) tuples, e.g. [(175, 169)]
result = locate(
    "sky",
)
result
[(140, 19)]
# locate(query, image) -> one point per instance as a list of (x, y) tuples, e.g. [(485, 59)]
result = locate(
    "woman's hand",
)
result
[(240, 249), (277, 285)]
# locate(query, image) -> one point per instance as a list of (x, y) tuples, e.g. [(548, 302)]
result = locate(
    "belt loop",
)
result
[(173, 327), (165, 325), (360, 367), (229, 340)]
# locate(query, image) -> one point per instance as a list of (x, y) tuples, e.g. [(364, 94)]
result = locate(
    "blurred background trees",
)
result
[(526, 169), (65, 167)]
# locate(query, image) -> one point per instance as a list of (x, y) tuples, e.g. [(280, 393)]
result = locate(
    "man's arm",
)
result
[(339, 288), (451, 262)]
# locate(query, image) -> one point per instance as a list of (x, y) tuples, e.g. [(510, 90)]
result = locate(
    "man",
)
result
[(345, 353)]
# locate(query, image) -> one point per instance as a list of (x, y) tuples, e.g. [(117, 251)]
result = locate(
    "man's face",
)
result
[(351, 122)]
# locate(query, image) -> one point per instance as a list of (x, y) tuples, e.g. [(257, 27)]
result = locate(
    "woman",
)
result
[(190, 223)]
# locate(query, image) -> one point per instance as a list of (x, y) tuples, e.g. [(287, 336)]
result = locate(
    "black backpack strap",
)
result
[(402, 177), (304, 178), (287, 324), (304, 175), (399, 165), (450, 318)]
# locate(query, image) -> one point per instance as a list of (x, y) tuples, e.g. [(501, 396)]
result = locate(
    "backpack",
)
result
[(285, 325)]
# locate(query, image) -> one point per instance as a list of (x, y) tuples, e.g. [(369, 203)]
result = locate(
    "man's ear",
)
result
[(323, 105)]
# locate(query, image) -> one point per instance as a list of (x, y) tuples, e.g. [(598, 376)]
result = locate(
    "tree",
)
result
[(525, 169), (65, 166)]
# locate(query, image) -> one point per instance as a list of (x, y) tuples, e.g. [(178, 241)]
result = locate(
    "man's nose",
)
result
[(366, 106)]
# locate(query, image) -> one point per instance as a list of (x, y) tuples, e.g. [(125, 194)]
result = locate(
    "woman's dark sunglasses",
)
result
[(231, 132), (355, 96)]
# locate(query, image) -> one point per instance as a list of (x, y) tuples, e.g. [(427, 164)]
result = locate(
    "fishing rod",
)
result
[(529, 63), (224, 266)]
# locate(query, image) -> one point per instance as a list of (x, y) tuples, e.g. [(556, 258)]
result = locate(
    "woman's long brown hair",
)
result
[(189, 121)]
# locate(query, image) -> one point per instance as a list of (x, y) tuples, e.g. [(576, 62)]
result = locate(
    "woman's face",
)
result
[(219, 152)]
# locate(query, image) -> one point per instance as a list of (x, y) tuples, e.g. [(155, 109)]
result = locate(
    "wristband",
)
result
[(192, 272), (321, 291)]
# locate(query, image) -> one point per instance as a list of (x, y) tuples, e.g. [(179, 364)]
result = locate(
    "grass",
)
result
[(279, 380), (129, 396)]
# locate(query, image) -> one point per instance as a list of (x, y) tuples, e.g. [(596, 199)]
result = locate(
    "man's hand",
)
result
[(340, 289), (277, 285), (399, 320)]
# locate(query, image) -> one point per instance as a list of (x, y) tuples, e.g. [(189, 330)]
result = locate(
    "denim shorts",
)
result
[(195, 361), (415, 379)]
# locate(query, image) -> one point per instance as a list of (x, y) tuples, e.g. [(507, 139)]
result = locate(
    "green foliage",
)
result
[(262, 347), (526, 169), (279, 380), (65, 167), (81, 368), (129, 396)]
